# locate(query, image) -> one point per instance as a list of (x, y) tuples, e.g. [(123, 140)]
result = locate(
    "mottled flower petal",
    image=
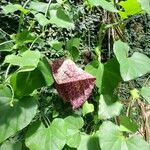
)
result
[(72, 83)]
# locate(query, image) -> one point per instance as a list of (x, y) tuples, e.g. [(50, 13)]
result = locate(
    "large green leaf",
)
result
[(96, 69), (73, 47), (131, 67), (6, 46), (38, 6), (17, 117), (45, 69), (111, 77), (129, 9), (89, 142), (104, 4), (134, 66), (52, 138), (24, 83), (42, 20), (11, 8), (145, 4), (108, 107), (28, 59), (5, 93), (111, 138), (22, 38), (60, 18), (107, 75), (7, 145), (126, 124), (55, 44), (145, 92), (121, 50), (42, 7), (73, 124)]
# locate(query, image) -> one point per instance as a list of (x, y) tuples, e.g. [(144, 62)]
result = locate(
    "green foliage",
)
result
[(88, 142), (24, 83), (11, 146), (145, 4), (6, 46), (42, 20), (112, 138), (145, 92), (24, 60), (129, 9), (96, 69), (130, 67), (15, 115), (108, 107), (104, 4), (60, 18), (55, 44), (33, 115), (54, 135), (38, 6), (44, 68), (11, 8), (87, 108), (73, 47), (127, 125), (73, 124)]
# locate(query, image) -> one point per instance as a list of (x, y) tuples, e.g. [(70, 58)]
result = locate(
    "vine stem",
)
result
[(21, 16), (43, 27), (4, 32), (146, 81), (6, 42), (35, 40), (48, 7), (7, 71), (13, 94), (129, 107), (25, 4)]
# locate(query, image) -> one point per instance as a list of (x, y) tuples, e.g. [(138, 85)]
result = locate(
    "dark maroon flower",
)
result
[(72, 83)]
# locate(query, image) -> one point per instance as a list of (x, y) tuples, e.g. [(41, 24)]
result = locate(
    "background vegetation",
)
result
[(109, 39)]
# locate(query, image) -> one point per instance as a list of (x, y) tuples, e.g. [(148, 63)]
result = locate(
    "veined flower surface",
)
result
[(72, 83)]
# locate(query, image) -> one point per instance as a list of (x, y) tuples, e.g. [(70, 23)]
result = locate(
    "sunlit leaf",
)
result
[(73, 124), (89, 142), (23, 38), (24, 83), (145, 92), (26, 59), (55, 44), (52, 138), (73, 47), (108, 107), (45, 69), (131, 67), (6, 46), (42, 20), (87, 108), (111, 138), (145, 4), (126, 124), (104, 4), (17, 117), (129, 9), (8, 145), (60, 18), (11, 8)]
